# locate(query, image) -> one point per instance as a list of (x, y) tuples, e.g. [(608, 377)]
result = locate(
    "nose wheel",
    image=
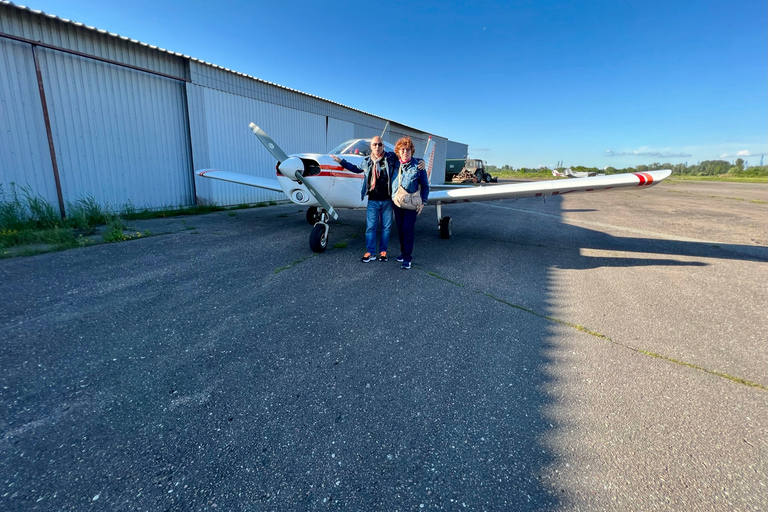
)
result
[(318, 238), (313, 215)]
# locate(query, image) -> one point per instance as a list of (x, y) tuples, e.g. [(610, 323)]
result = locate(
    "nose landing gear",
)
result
[(318, 238)]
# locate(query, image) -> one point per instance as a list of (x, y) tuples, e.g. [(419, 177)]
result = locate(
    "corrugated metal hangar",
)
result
[(85, 114)]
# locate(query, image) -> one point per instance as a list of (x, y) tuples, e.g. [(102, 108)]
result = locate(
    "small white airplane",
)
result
[(316, 181), (568, 173)]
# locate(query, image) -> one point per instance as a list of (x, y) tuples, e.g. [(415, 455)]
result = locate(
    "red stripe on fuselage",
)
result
[(339, 175)]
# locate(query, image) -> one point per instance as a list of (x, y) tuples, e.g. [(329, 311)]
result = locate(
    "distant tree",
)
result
[(641, 168), (713, 167), (740, 164)]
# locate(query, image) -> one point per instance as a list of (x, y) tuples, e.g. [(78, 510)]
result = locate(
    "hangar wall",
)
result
[(85, 114)]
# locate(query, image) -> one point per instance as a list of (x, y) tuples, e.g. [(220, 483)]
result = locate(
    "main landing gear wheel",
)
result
[(445, 227), (318, 238), (313, 215)]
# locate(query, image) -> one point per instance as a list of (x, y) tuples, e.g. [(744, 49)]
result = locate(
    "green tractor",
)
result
[(460, 170)]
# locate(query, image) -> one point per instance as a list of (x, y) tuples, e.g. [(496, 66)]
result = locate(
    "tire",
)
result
[(313, 215), (445, 228), (488, 178), (318, 242), (479, 176)]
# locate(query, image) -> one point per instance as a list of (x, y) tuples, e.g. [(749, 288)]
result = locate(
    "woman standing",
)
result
[(411, 179)]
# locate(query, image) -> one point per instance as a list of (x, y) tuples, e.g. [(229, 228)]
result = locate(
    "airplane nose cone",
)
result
[(291, 167)]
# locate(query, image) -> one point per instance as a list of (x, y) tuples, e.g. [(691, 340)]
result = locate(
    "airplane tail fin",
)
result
[(429, 158)]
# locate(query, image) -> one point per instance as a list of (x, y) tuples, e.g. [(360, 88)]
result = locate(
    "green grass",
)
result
[(31, 225), (725, 177)]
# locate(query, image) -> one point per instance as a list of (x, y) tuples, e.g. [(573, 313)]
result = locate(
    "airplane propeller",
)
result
[(293, 168), (271, 145)]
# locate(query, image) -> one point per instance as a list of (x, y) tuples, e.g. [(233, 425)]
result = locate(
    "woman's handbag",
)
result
[(402, 198)]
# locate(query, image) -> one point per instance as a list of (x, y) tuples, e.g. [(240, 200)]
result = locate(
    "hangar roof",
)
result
[(163, 50)]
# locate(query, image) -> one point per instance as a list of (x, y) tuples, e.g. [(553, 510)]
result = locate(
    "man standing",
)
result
[(378, 169)]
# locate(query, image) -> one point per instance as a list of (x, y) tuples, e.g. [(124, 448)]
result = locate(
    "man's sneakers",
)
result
[(368, 257)]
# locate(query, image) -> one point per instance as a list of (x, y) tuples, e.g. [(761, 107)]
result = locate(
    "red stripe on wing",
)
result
[(649, 177)]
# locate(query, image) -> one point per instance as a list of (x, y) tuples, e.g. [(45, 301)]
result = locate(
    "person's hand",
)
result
[(419, 209), (336, 159), (421, 166)]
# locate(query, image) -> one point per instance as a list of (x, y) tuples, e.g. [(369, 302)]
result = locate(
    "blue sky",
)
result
[(523, 83)]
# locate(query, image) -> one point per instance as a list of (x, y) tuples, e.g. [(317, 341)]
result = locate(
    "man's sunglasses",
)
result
[(376, 144)]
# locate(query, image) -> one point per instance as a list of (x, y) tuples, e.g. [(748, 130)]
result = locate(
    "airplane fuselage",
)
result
[(340, 187)]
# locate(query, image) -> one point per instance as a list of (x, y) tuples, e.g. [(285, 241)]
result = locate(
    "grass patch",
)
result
[(294, 263), (713, 372), (437, 276), (31, 225), (725, 177)]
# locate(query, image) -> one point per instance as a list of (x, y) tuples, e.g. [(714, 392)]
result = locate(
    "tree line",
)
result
[(705, 168)]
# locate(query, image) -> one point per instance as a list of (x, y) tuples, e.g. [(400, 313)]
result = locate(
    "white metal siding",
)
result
[(338, 132), (52, 30), (232, 146), (120, 134), (24, 154)]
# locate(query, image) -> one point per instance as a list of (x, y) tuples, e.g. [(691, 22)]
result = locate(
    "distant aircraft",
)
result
[(316, 181), (568, 173)]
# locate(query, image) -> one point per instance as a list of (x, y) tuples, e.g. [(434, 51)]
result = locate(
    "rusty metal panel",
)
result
[(24, 153), (121, 135)]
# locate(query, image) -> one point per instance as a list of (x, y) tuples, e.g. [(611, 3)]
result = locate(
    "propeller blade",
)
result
[(320, 199), (291, 167), (271, 145)]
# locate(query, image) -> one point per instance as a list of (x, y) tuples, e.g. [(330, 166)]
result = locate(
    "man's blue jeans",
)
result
[(378, 216)]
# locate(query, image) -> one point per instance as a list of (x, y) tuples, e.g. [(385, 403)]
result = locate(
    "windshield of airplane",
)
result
[(361, 147)]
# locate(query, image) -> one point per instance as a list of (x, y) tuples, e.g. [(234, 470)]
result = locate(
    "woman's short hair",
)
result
[(405, 142)]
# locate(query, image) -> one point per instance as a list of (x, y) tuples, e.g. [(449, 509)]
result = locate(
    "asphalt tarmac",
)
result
[(600, 351)]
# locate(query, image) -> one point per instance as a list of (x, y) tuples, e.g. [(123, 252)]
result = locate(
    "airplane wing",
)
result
[(548, 187), (242, 179)]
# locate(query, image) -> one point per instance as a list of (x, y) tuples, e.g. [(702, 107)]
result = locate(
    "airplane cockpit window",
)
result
[(359, 147)]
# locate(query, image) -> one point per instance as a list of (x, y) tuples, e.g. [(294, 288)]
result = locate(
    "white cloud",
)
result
[(646, 152), (741, 154)]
